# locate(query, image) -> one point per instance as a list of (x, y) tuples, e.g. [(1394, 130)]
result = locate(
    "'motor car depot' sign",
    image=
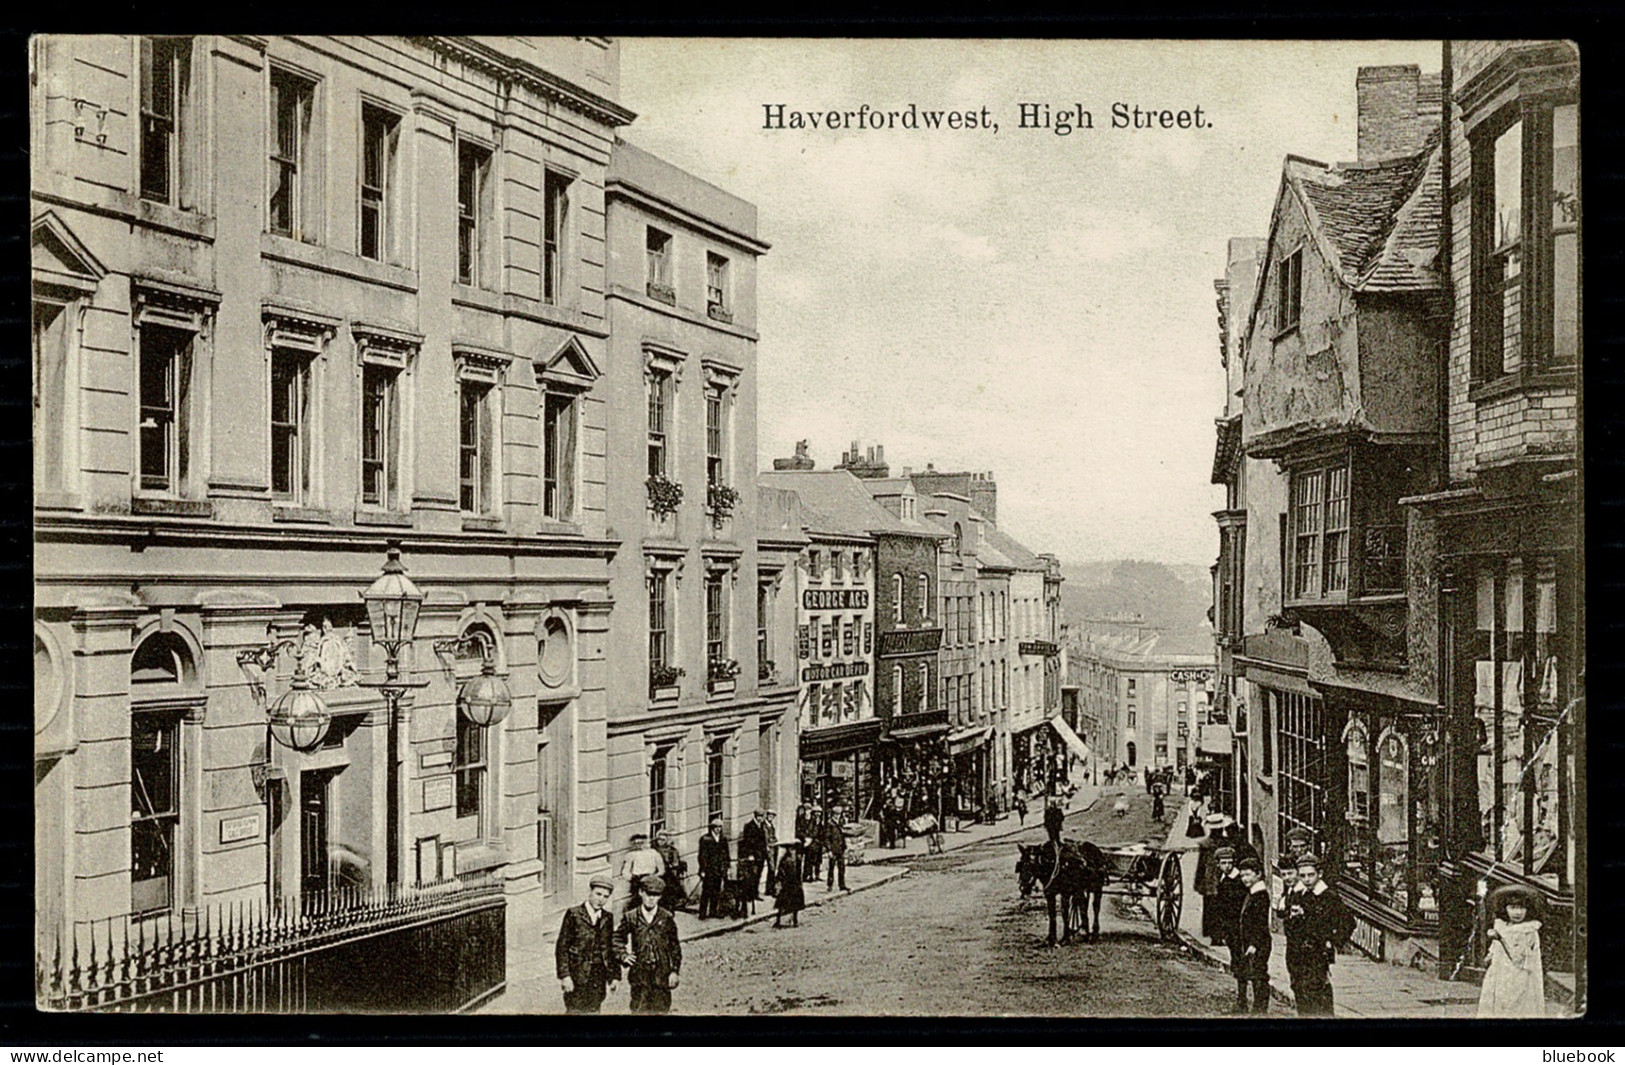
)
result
[(835, 599), (1039, 647)]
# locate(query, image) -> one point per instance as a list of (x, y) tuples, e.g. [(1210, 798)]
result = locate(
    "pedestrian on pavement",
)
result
[(1208, 873), (641, 861), (1021, 807), (791, 897), (813, 841), (588, 966), (714, 860), (1158, 810), (1252, 943), (1287, 870), (1515, 980), (835, 846), (1227, 899), (753, 854), (1317, 923), (647, 944), (674, 873), (771, 831)]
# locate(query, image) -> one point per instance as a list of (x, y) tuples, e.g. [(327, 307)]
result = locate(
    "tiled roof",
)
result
[(1381, 222), (840, 504), (1011, 548)]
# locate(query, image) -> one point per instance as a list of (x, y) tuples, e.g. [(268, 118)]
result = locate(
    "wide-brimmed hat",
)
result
[(1496, 902), (1216, 820)]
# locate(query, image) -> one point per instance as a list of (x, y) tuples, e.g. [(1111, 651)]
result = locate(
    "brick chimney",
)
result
[(1396, 110), (799, 461)]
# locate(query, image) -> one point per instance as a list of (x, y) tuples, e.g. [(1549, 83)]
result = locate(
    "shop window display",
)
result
[(1522, 682)]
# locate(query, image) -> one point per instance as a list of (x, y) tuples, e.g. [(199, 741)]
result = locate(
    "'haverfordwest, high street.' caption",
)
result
[(1061, 120)]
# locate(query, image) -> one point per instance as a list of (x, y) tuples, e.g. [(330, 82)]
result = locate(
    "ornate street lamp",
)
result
[(393, 602), (486, 699), (299, 719)]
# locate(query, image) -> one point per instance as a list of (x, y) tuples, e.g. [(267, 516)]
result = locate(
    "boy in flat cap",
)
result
[(648, 946), (585, 954), (641, 861), (1316, 923), (1251, 944)]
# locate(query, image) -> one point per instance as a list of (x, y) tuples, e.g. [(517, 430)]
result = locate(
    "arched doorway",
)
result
[(1131, 755)]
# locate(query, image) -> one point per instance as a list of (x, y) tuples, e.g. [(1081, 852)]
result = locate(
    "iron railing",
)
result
[(437, 948)]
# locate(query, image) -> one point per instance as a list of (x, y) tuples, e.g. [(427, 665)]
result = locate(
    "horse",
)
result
[(1073, 873)]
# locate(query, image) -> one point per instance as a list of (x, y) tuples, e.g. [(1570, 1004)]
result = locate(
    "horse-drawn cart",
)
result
[(1142, 872)]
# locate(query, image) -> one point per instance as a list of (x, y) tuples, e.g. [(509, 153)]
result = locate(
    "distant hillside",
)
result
[(1173, 599)]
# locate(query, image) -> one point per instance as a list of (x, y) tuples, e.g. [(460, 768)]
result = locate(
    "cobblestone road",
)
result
[(955, 937)]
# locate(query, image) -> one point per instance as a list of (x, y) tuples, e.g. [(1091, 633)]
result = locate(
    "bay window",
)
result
[(1525, 240)]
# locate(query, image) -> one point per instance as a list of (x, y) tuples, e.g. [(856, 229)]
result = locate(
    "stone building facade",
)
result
[(685, 729), (294, 297)]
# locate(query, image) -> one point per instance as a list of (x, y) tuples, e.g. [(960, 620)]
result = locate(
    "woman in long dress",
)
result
[(791, 896), (1515, 981)]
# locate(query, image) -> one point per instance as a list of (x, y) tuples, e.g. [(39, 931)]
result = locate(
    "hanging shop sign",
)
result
[(1039, 647), (910, 642)]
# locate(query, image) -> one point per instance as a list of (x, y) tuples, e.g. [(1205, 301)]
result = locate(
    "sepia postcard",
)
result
[(518, 527)]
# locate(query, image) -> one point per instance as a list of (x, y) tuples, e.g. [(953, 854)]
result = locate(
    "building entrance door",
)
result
[(315, 831)]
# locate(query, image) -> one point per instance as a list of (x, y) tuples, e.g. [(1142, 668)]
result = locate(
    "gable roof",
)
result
[(1376, 224), (1381, 220)]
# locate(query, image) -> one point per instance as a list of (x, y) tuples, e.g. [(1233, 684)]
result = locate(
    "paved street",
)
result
[(955, 937)]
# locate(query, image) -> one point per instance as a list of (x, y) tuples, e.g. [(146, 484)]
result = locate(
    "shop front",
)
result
[(1517, 714), (1389, 815), (972, 758), (839, 768), (915, 770), (1038, 763)]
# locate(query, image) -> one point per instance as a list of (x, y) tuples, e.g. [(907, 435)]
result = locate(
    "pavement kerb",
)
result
[(953, 845), (707, 933), (1208, 955)]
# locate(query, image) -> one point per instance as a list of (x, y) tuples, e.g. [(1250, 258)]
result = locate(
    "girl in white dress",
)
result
[(1515, 982)]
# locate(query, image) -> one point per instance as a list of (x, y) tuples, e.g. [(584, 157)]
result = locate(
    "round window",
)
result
[(555, 656), (47, 685)]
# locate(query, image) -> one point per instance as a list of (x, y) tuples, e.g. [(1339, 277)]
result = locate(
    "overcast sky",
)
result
[(1036, 305)]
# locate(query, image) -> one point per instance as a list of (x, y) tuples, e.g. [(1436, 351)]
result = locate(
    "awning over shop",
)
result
[(919, 732), (1070, 738), (967, 739), (838, 740)]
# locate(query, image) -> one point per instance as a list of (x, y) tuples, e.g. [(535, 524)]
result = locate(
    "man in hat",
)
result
[(771, 830), (714, 860), (588, 966), (812, 844), (641, 861), (1316, 924), (676, 869), (753, 853), (1208, 873), (835, 846), (1251, 945), (647, 944)]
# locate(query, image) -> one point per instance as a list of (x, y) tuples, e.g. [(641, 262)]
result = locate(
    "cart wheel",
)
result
[(1170, 896)]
